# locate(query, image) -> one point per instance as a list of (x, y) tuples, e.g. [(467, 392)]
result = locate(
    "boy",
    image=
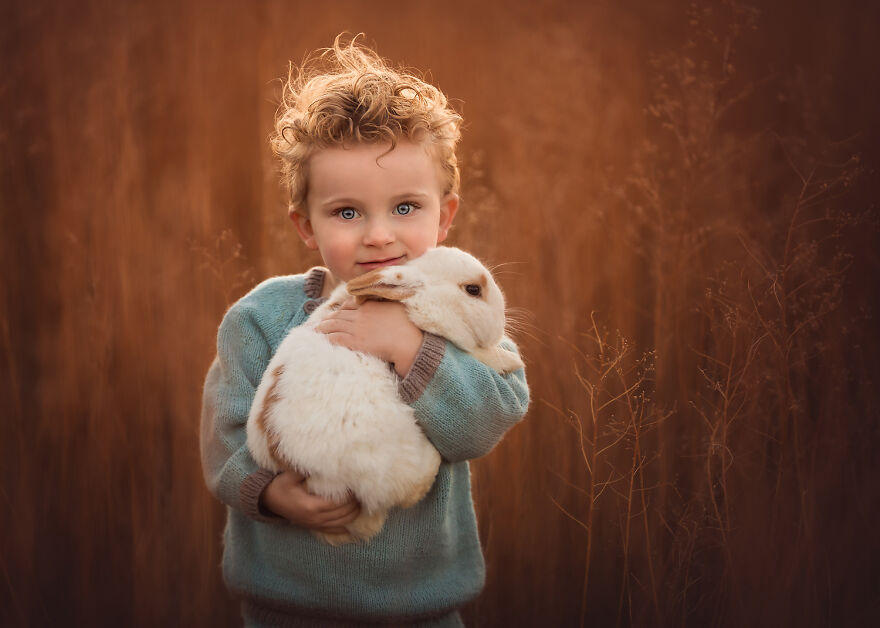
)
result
[(368, 154)]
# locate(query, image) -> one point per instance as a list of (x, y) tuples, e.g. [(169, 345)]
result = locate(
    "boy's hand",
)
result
[(287, 497), (380, 328)]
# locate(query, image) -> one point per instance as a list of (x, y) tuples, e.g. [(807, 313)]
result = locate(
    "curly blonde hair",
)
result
[(348, 94)]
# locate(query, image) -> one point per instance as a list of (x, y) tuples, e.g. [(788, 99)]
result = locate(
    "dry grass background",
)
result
[(684, 200)]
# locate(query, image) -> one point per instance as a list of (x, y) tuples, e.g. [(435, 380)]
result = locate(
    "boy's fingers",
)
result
[(330, 326), (348, 517), (343, 510), (341, 315), (324, 505), (342, 340), (349, 304), (334, 530), (296, 476)]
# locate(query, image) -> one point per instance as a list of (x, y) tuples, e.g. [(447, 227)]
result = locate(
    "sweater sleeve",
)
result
[(230, 472), (464, 406)]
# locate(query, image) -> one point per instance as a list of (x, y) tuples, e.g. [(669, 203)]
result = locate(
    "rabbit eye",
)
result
[(473, 289)]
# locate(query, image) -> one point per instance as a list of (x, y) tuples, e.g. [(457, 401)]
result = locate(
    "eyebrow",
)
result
[(336, 201), (408, 195)]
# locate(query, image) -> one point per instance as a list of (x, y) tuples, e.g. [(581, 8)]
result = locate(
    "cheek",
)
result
[(339, 250), (336, 246), (425, 235), (422, 243)]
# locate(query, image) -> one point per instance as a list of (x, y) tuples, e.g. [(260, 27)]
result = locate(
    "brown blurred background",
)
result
[(684, 200)]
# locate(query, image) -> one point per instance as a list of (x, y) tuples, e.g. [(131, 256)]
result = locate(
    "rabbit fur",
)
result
[(335, 415)]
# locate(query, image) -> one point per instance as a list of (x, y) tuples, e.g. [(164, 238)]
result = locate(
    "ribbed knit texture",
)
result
[(426, 562), (422, 370)]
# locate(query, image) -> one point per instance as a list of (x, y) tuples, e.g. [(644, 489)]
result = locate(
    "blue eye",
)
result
[(347, 213), (402, 209)]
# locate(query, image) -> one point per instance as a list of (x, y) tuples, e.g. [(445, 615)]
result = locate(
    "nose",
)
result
[(378, 233)]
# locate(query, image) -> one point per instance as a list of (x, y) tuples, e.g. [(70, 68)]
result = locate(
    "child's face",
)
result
[(367, 211)]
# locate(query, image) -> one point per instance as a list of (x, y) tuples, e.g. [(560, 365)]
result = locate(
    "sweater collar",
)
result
[(314, 284)]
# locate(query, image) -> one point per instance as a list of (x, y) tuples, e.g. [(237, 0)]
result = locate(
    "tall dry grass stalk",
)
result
[(747, 266), (610, 424)]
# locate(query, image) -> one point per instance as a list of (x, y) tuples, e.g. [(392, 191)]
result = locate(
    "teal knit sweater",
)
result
[(426, 562)]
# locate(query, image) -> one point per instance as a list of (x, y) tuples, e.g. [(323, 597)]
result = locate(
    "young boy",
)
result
[(368, 154)]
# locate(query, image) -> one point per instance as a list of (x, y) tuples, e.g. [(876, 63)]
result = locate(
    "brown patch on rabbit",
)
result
[(272, 397), (374, 284)]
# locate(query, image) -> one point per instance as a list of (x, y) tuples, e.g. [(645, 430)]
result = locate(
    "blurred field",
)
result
[(684, 201)]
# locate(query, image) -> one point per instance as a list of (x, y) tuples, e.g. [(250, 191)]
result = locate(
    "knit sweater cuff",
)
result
[(249, 495), (422, 370)]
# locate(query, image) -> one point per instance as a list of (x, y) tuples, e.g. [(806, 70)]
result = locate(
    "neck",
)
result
[(330, 283)]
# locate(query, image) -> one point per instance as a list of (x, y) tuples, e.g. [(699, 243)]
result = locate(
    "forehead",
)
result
[(370, 168)]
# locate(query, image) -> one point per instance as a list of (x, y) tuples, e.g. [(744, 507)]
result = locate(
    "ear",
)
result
[(303, 228), (448, 207), (379, 284), (499, 359)]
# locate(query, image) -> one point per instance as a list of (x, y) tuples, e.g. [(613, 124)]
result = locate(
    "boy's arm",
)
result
[(230, 472), (464, 406)]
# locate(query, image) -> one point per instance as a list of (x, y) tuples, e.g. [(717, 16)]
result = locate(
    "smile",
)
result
[(391, 261)]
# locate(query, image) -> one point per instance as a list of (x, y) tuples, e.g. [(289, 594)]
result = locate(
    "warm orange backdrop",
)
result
[(684, 177)]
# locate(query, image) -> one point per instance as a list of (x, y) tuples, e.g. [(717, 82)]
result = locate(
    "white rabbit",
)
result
[(335, 415)]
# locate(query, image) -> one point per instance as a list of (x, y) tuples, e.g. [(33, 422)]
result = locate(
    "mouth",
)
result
[(380, 263)]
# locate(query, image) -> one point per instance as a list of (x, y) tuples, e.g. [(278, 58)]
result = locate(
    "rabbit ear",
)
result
[(380, 284), (499, 359)]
